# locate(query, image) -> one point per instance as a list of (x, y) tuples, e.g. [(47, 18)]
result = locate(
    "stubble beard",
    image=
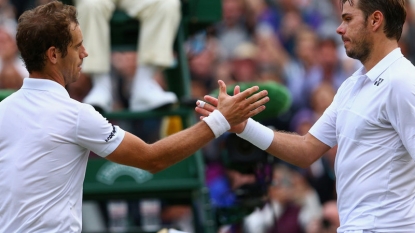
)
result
[(70, 77), (361, 52), (362, 47)]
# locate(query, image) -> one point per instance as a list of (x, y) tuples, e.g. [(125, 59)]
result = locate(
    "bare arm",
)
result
[(299, 150), (157, 156)]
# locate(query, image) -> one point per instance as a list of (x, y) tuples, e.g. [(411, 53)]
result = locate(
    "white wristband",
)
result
[(217, 123), (257, 134)]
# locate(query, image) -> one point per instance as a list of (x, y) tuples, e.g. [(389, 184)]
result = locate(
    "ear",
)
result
[(376, 20), (52, 55)]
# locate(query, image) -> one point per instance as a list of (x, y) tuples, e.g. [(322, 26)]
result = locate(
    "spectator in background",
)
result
[(285, 17), (232, 30), (329, 222), (7, 10), (244, 63), (367, 166), (46, 169), (271, 54), (202, 51), (330, 13), (255, 11), (408, 34), (332, 71), (123, 69), (12, 70), (306, 197), (291, 205), (159, 20), (319, 174), (321, 98), (303, 71)]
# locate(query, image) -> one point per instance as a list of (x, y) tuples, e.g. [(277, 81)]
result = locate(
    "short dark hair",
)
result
[(41, 28), (394, 12)]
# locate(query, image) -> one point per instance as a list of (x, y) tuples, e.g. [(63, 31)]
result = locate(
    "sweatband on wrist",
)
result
[(257, 134), (217, 123)]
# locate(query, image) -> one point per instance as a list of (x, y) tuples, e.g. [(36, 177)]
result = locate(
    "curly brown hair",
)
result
[(394, 12), (41, 28)]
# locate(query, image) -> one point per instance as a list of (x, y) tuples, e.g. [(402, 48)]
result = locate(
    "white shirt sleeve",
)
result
[(400, 109), (95, 133), (325, 127)]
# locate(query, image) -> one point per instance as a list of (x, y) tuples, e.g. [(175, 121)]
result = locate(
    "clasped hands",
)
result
[(237, 109)]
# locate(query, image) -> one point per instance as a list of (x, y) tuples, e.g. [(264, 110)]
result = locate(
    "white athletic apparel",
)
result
[(372, 119), (45, 141)]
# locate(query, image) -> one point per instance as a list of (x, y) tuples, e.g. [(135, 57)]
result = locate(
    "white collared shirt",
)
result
[(372, 119), (45, 140)]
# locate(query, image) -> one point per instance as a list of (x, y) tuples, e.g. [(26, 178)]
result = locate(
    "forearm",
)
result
[(179, 146), (293, 148), (157, 156), (301, 151)]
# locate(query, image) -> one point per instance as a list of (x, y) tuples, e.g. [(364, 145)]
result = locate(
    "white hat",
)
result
[(245, 50)]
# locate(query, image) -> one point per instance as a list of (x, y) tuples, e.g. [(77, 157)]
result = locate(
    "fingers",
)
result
[(202, 112), (204, 108), (212, 100), (258, 99), (257, 104), (247, 92), (256, 111), (203, 105), (200, 103)]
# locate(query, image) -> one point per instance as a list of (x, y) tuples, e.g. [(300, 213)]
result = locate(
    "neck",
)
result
[(50, 75), (379, 51)]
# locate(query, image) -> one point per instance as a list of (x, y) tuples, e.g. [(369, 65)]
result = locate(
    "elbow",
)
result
[(306, 161), (304, 164), (155, 170), (155, 167), (151, 161)]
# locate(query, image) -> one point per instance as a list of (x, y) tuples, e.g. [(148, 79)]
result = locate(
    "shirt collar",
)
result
[(44, 85), (381, 66)]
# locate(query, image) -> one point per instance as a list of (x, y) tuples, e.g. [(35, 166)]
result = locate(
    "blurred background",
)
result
[(289, 45)]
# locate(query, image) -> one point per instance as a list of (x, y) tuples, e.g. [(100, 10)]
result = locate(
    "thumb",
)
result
[(236, 90), (222, 88)]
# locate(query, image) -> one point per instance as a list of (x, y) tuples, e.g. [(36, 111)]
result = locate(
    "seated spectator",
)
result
[(302, 72), (332, 71), (159, 20), (244, 63), (329, 222), (202, 52), (12, 70), (7, 10), (232, 30), (285, 212)]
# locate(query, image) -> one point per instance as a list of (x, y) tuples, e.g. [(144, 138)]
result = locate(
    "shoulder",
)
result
[(401, 75), (87, 111)]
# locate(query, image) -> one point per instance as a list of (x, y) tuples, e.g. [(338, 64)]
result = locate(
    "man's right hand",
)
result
[(237, 108)]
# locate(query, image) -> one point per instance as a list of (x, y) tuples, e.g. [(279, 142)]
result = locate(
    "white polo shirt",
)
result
[(372, 119), (45, 140)]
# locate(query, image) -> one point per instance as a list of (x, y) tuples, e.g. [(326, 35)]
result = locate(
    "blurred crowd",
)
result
[(290, 42), (294, 43)]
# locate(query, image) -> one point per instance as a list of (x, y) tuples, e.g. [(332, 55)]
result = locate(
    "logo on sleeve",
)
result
[(378, 81), (112, 134)]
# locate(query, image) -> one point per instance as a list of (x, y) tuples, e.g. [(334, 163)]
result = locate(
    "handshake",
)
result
[(233, 113)]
